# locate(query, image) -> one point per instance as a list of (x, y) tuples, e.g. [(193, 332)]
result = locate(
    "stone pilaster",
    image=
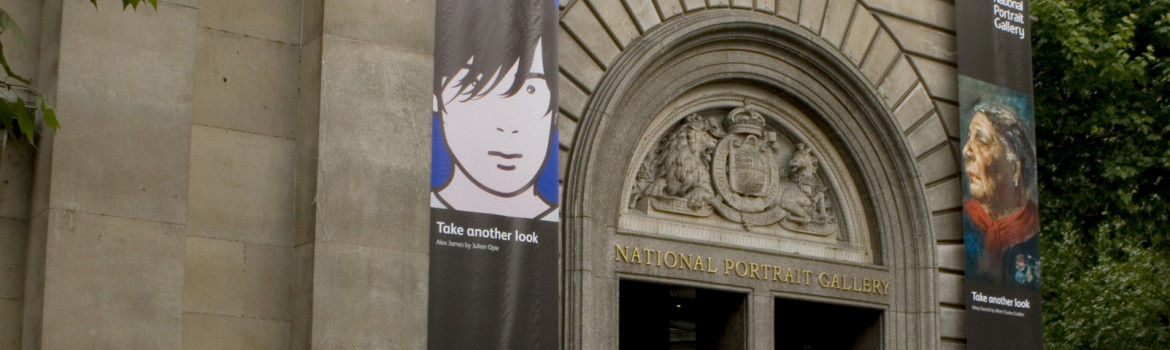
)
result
[(363, 170), (109, 208)]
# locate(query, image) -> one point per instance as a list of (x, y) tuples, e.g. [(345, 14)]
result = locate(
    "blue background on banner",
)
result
[(441, 166)]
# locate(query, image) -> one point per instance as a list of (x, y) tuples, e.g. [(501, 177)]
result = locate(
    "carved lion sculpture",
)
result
[(682, 163)]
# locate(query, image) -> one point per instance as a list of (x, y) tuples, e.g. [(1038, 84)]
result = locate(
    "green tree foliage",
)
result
[(132, 3), (1102, 88), (18, 117)]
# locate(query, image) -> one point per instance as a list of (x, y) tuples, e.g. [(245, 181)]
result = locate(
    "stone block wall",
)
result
[(230, 175), (16, 170), (925, 32), (16, 158), (251, 174), (363, 175), (238, 265), (162, 211), (109, 201)]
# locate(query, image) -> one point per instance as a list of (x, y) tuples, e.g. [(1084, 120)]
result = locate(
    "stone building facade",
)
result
[(254, 174)]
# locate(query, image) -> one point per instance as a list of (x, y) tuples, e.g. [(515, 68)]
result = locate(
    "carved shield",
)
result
[(745, 172), (749, 169)]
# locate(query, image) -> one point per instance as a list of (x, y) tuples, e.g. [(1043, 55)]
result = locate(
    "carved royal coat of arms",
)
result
[(734, 168)]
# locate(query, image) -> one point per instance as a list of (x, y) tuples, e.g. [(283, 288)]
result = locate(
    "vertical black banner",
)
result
[(494, 237), (1000, 209)]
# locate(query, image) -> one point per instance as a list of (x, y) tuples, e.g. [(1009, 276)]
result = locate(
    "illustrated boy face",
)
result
[(499, 141), (988, 168)]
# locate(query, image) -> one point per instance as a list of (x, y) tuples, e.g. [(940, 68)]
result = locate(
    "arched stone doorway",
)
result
[(704, 62)]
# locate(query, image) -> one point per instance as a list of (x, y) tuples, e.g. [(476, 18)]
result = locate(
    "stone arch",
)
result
[(607, 43)]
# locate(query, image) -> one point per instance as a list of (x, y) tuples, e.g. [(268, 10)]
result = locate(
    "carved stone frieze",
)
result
[(740, 168), (677, 178)]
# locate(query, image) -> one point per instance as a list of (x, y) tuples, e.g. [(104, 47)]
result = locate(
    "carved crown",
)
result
[(744, 120)]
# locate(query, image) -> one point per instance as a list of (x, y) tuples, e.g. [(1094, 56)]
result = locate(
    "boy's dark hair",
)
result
[(499, 33)]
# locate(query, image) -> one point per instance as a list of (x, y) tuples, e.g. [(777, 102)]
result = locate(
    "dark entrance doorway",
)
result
[(803, 325), (658, 316)]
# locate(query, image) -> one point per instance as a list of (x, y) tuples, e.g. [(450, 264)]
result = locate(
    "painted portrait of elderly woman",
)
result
[(1001, 217)]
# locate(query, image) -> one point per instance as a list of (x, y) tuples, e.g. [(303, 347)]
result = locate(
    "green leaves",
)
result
[(1119, 303), (9, 25), (131, 3), (15, 112), (49, 113), (7, 69), (1102, 97), (16, 117)]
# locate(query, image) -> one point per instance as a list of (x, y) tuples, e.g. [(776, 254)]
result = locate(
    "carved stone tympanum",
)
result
[(738, 168), (678, 180)]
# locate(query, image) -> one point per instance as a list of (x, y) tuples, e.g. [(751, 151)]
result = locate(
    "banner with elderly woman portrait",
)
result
[(494, 241), (1001, 223)]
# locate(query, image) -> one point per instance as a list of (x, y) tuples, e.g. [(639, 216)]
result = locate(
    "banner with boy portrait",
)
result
[(1001, 224), (494, 240)]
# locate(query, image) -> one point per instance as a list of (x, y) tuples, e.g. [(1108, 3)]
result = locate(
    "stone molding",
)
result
[(794, 195), (866, 95)]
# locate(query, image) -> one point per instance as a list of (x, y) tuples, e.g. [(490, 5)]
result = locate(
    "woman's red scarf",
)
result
[(1008, 230)]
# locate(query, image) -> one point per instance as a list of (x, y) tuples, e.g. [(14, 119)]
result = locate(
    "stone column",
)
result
[(109, 201), (16, 164), (238, 266), (761, 329), (15, 174), (363, 175)]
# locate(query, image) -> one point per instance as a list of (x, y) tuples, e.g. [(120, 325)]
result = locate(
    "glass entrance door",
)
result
[(658, 316), (803, 325)]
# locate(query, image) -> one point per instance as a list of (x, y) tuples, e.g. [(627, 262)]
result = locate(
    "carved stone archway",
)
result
[(776, 57)]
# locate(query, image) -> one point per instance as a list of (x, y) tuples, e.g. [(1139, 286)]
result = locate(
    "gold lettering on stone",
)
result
[(753, 270)]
